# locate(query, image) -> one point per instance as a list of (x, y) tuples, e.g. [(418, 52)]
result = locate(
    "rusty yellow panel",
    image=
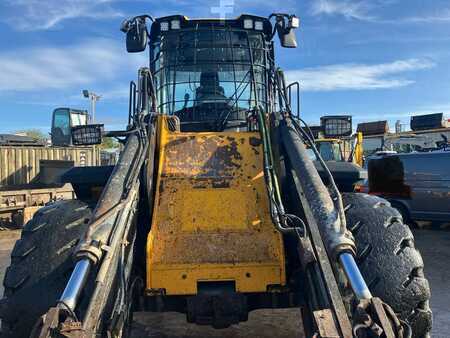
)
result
[(182, 279), (204, 209), (211, 219)]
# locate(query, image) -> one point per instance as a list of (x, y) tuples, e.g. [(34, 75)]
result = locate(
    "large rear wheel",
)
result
[(41, 265), (388, 259)]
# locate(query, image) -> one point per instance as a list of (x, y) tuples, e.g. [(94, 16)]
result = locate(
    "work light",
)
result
[(164, 26), (248, 24), (259, 25), (294, 22), (175, 24)]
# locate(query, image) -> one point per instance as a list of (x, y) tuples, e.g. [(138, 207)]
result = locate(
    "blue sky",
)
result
[(374, 59)]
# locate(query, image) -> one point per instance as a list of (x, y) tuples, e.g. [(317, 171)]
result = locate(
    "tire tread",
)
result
[(392, 266), (40, 265)]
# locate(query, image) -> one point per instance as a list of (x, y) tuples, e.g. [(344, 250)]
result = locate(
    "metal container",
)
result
[(20, 165), (373, 128), (430, 121)]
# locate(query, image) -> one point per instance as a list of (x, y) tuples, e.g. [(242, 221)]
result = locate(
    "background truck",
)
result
[(30, 170), (417, 184), (341, 151)]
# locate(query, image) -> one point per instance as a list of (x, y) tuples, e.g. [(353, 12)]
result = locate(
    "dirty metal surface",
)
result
[(325, 323), (211, 217), (18, 206)]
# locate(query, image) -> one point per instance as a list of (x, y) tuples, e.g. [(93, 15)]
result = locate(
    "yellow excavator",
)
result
[(344, 161), (331, 149), (214, 208)]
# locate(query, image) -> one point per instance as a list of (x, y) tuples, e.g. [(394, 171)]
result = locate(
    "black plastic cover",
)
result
[(337, 125), (88, 135), (430, 121), (345, 174)]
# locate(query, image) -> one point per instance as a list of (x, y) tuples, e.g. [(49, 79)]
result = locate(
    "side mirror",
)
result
[(87, 135), (137, 35), (288, 40), (286, 25)]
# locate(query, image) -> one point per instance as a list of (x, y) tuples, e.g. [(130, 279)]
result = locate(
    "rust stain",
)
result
[(254, 141), (221, 183), (208, 156)]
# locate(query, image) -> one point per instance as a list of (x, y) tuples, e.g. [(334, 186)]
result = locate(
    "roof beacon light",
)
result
[(248, 24), (175, 24), (164, 26), (259, 25)]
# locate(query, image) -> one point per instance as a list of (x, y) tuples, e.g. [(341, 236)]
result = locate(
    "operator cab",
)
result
[(211, 74), (64, 119)]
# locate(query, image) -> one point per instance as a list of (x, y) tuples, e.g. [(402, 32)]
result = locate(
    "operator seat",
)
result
[(210, 106), (210, 88)]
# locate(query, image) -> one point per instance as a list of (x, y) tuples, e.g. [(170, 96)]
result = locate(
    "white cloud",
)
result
[(348, 8), (363, 10), (30, 15), (93, 62), (357, 76), (442, 17)]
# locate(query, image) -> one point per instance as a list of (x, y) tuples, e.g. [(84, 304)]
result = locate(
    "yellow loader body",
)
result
[(211, 219)]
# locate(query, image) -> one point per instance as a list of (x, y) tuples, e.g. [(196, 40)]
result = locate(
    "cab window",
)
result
[(330, 151), (61, 129), (78, 119), (61, 122)]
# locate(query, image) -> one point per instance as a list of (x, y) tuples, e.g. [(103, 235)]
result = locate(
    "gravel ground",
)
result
[(435, 248)]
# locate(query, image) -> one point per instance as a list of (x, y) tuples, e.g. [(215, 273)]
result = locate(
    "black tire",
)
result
[(388, 260), (41, 264), (405, 214)]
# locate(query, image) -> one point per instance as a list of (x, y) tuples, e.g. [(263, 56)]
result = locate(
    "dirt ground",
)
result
[(435, 248)]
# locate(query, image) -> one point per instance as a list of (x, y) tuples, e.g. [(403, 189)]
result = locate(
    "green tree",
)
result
[(35, 134), (109, 143)]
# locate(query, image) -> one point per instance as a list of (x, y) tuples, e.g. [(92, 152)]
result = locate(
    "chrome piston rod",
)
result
[(356, 280), (76, 283)]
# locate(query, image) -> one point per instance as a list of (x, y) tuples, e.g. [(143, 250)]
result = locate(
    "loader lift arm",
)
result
[(107, 248), (327, 233)]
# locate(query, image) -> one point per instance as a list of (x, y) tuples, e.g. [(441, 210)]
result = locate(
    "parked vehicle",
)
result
[(417, 184), (347, 172)]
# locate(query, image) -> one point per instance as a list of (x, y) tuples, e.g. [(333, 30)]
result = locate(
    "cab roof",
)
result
[(237, 23)]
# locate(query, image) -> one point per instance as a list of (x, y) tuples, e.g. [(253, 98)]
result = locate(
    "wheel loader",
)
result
[(214, 208)]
